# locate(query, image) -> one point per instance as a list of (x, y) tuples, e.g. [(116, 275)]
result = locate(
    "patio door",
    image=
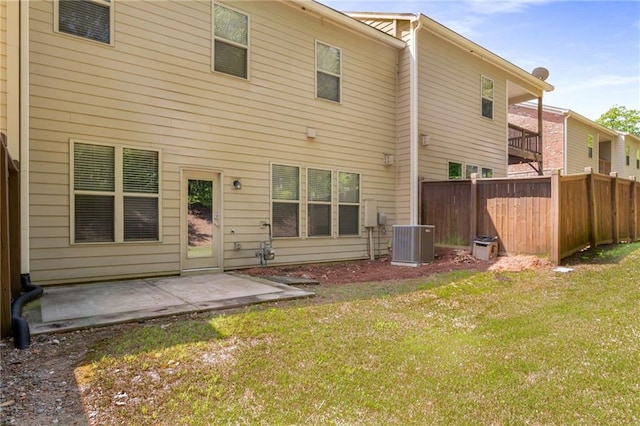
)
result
[(200, 220)]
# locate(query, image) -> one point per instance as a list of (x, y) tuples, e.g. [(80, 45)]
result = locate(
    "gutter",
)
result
[(413, 122), (348, 22)]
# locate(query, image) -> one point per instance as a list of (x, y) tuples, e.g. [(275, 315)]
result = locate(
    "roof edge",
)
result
[(472, 47), (347, 21)]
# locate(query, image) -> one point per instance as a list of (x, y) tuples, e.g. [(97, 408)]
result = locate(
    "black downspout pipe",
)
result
[(19, 325)]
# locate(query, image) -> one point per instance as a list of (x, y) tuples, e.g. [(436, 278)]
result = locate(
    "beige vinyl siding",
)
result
[(634, 147), (450, 110), (576, 142), (3, 66), (385, 25), (154, 89)]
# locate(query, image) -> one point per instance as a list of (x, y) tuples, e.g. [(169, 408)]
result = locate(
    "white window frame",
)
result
[(482, 97), (358, 204), (590, 146), (462, 169), (467, 175), (329, 203), (230, 42), (484, 171), (118, 194), (104, 3), (627, 155), (317, 70), (298, 201)]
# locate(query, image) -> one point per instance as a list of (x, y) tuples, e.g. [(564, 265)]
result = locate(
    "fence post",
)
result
[(633, 223), (591, 201), (556, 204), (615, 231), (473, 225), (5, 259)]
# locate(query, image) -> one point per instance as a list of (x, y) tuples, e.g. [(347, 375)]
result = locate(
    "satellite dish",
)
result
[(541, 72)]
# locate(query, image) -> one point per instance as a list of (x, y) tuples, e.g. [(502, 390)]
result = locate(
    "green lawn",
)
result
[(466, 348)]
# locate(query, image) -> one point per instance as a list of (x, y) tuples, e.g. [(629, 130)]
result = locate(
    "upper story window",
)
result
[(590, 146), (90, 19), (231, 41), (116, 193), (627, 155), (328, 72), (638, 158), (487, 97)]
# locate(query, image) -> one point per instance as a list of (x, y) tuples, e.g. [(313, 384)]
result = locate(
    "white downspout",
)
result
[(413, 124), (24, 137)]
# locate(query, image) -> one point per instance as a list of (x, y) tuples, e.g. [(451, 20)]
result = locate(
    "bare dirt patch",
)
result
[(446, 260)]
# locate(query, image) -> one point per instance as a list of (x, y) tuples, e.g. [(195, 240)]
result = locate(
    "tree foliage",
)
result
[(622, 119)]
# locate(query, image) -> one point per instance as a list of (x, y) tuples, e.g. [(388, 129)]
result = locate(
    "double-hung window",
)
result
[(285, 200), (590, 146), (116, 193), (638, 158), (487, 97), (90, 19), (319, 199), (348, 203), (328, 72), (231, 41), (627, 155)]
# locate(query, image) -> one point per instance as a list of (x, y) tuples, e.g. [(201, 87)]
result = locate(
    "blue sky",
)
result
[(591, 48)]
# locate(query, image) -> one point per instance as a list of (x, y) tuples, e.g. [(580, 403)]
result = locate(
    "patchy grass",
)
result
[(462, 348)]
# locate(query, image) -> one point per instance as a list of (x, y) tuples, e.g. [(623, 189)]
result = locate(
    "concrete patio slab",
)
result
[(63, 308)]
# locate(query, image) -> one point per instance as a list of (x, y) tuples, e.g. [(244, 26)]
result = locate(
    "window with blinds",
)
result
[(285, 200), (319, 203), (328, 72), (231, 41), (348, 203), (91, 19), (115, 194)]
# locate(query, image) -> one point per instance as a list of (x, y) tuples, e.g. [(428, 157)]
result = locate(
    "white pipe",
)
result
[(24, 137), (413, 119)]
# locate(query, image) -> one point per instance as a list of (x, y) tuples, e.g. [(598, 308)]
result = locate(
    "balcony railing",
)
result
[(524, 140)]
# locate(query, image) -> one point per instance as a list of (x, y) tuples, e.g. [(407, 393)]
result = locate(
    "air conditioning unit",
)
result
[(413, 245)]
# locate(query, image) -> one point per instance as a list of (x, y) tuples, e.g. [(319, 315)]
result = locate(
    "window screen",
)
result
[(348, 203), (88, 19), (319, 202), (285, 200), (487, 97), (231, 34), (328, 72)]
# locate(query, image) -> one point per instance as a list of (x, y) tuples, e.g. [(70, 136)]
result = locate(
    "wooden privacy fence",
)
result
[(550, 215), (9, 235)]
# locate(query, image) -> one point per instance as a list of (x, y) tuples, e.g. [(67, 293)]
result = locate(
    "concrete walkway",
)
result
[(63, 308)]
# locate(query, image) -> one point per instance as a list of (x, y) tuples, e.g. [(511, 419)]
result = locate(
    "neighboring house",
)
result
[(172, 137), (452, 111), (572, 142)]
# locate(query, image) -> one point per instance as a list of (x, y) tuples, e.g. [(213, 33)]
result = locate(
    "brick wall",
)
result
[(552, 138)]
